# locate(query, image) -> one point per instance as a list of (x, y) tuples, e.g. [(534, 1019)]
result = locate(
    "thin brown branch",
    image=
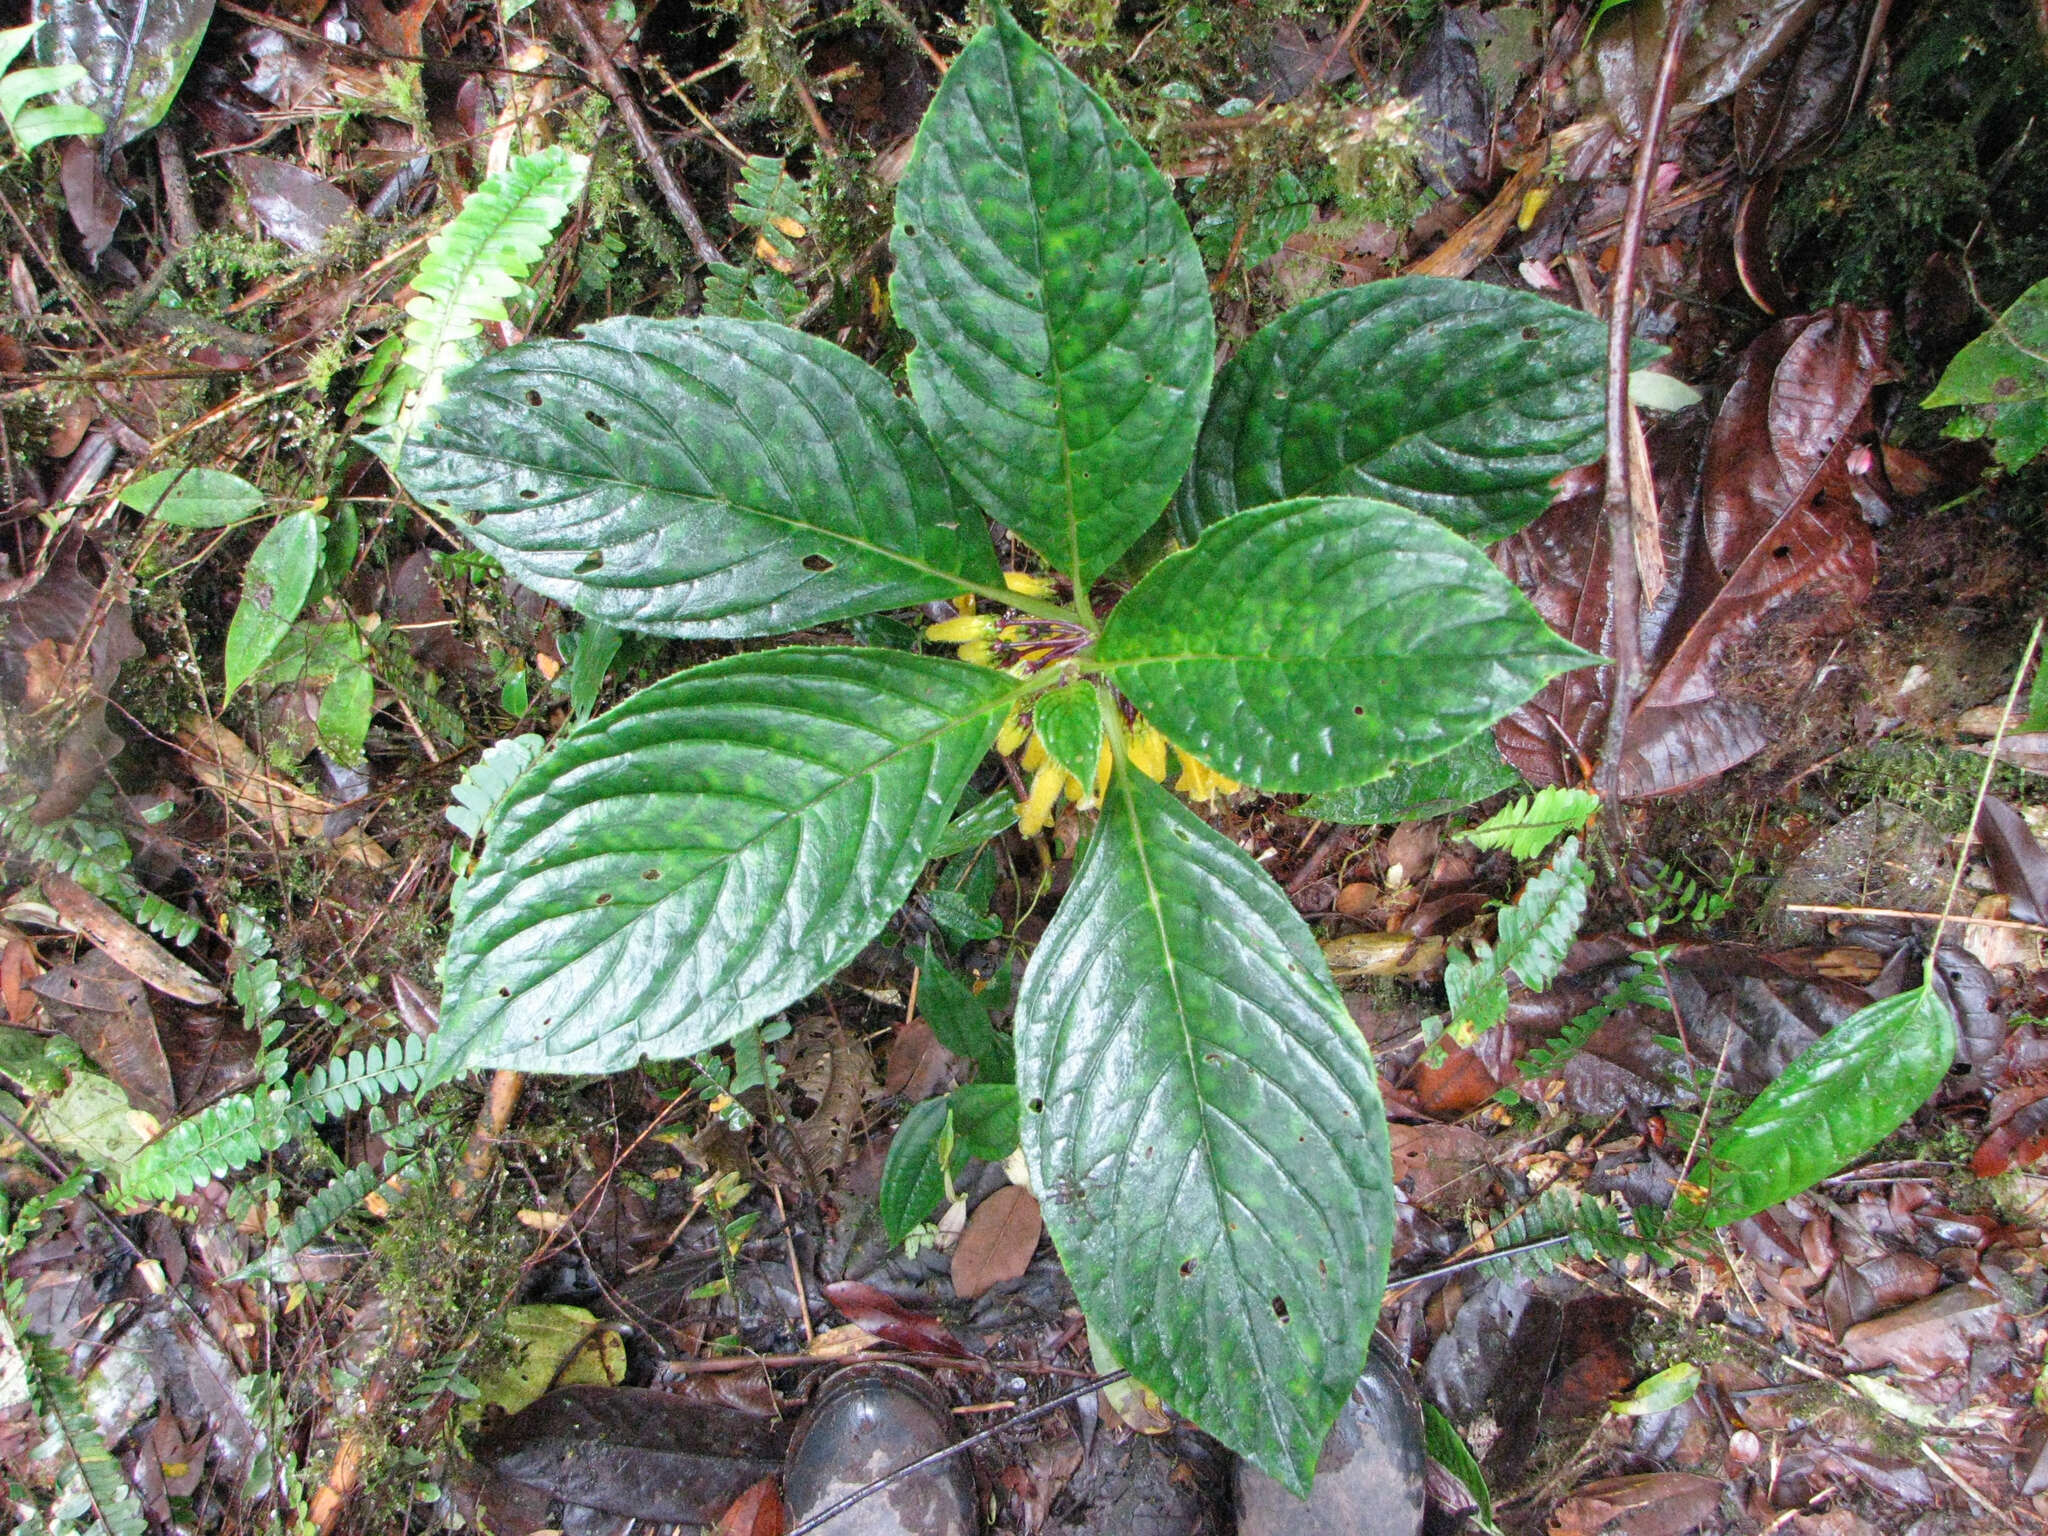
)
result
[(1624, 582), (613, 84)]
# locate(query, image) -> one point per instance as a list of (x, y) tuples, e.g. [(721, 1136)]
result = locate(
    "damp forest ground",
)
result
[(216, 294)]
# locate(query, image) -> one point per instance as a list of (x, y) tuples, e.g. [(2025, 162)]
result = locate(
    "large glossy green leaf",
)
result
[(134, 55), (1203, 1126), (1064, 337), (1467, 773), (1845, 1093), (699, 477), (1319, 643), (1458, 400), (706, 853)]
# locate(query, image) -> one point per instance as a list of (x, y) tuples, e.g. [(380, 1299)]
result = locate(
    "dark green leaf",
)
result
[(1064, 336), (1069, 721), (985, 1120), (959, 1017), (706, 853), (596, 644), (960, 919), (1320, 643), (1203, 1125), (990, 816), (1448, 1450), (1844, 1094), (345, 708), (913, 1179), (1467, 773), (699, 477), (194, 498), (134, 53), (1457, 400), (274, 587)]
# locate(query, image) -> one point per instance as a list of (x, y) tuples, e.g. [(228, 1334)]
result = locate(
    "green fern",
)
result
[(165, 920), (1594, 1228), (1535, 936), (37, 125), (489, 779), (773, 203), (474, 265), (317, 1217), (93, 1485), (1533, 823), (221, 1138), (346, 1083)]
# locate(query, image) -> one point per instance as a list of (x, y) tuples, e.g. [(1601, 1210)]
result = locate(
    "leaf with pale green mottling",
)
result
[(1316, 644), (1062, 317), (1203, 1126), (1471, 771)]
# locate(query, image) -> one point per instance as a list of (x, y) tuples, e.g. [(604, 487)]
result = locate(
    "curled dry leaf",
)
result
[(221, 762), (757, 1512), (1771, 551), (890, 1321)]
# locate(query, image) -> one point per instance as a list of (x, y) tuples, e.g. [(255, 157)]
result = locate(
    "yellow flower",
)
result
[(1148, 751), (978, 653), (1198, 781), (1034, 753), (1046, 784), (967, 627), (1011, 736), (1027, 585)]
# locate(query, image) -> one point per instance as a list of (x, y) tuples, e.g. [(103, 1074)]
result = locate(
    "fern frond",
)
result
[(166, 921), (1536, 821), (318, 1216), (221, 1138), (482, 258), (36, 125), (773, 203), (347, 1083), (1594, 1228), (1641, 985), (1535, 936), (489, 779), (100, 1485)]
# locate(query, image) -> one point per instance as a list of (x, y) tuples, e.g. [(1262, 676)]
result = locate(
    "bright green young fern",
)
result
[(37, 125), (1535, 935), (1536, 821)]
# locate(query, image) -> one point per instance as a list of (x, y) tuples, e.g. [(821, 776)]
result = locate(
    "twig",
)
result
[(613, 84), (796, 1274), (1955, 884), (1923, 917), (1623, 581), (834, 1511)]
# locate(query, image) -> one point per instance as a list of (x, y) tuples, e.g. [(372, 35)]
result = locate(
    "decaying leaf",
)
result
[(221, 762), (106, 1011), (1001, 1236)]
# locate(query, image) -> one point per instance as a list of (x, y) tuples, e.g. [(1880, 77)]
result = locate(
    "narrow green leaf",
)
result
[(1064, 334), (985, 1119), (596, 644), (345, 708), (959, 1017), (990, 816), (1457, 400), (699, 477), (1204, 1128), (1845, 1093), (706, 853), (1536, 821), (1470, 771), (194, 498), (1322, 643), (1447, 1448), (1668, 1389), (39, 125), (1069, 721), (274, 586), (913, 1177)]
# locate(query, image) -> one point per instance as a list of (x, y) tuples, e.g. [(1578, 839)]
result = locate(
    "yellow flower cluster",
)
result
[(985, 641)]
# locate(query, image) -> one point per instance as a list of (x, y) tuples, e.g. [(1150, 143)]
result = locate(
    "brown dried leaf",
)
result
[(1002, 1234), (1651, 1504), (89, 197), (225, 765), (757, 1512), (127, 945), (1930, 1336), (889, 1320), (105, 1010)]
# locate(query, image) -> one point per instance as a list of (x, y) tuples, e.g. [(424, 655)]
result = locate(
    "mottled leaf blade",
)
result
[(1203, 1125), (713, 478), (1458, 400), (1842, 1096), (706, 853), (1064, 334), (1315, 644), (1069, 721)]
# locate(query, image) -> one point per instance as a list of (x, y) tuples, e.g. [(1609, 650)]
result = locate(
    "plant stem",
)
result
[(1955, 883), (1623, 583)]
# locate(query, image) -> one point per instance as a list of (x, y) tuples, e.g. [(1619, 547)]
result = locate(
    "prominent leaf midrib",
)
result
[(952, 578), (1057, 375), (501, 936), (1156, 909)]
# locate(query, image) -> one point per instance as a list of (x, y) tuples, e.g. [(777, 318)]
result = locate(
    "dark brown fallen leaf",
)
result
[(888, 1319), (297, 208), (131, 948), (1930, 1336), (1000, 1238), (2019, 864), (1650, 1504), (105, 1010), (89, 197)]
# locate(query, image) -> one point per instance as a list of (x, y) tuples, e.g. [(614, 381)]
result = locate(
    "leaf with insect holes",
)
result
[(1460, 401), (1316, 644), (709, 478), (1841, 1096), (706, 853), (1184, 1058), (1062, 316), (275, 585)]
